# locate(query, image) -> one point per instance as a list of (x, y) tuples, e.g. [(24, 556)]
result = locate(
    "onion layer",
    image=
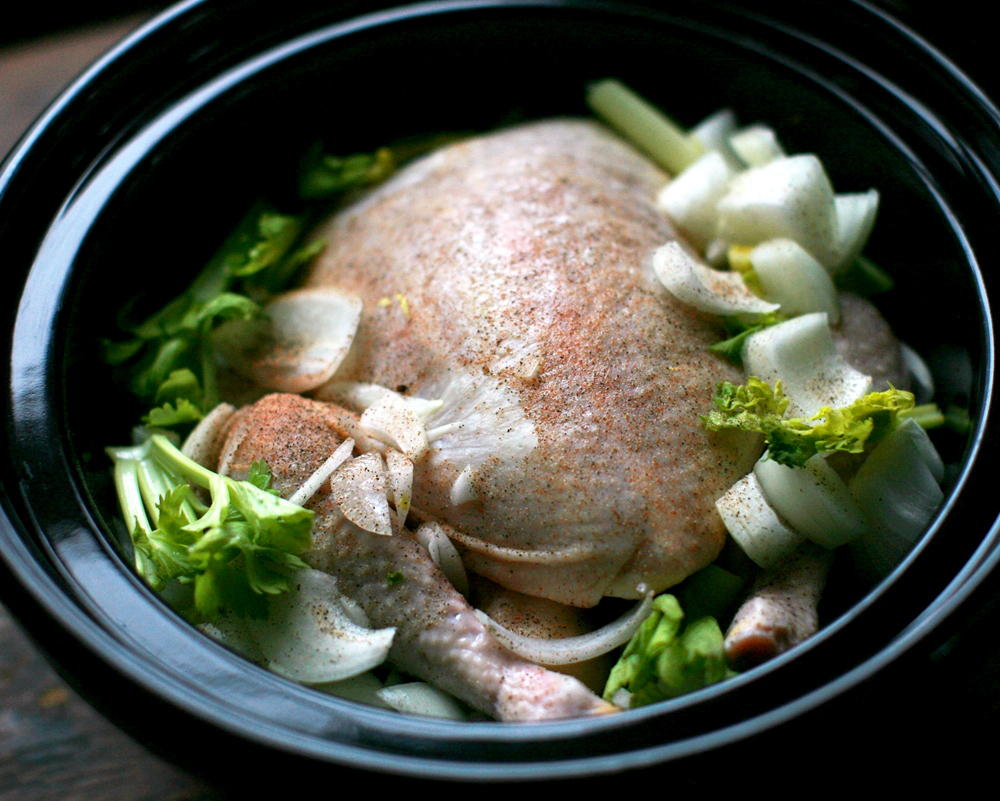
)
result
[(567, 650)]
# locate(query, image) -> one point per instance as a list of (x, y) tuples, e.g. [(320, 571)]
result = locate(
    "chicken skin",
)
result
[(509, 276)]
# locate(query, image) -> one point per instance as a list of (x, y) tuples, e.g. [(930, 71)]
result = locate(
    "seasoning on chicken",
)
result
[(512, 271)]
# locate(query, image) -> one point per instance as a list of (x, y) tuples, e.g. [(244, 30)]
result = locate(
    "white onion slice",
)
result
[(757, 528), (912, 430), (463, 490), (231, 632), (897, 490), (363, 689), (855, 221), (801, 353), (400, 476), (756, 145), (622, 698), (356, 395), (308, 636), (360, 396), (311, 485), (393, 421), (479, 418), (420, 698), (788, 197), (198, 445), (717, 253), (708, 290), (567, 650), (714, 131), (813, 499), (434, 537), (300, 346), (897, 487), (690, 198), (794, 279), (359, 489)]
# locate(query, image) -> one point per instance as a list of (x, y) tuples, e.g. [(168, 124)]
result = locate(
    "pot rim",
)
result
[(85, 621)]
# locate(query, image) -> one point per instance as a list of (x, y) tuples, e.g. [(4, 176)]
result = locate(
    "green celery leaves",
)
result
[(665, 659), (169, 358), (236, 550), (243, 545), (754, 406), (738, 330), (324, 176)]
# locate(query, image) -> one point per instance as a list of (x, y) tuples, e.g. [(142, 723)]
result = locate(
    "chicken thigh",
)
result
[(509, 276)]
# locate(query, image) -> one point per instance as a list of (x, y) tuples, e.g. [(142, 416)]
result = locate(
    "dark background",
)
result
[(943, 727)]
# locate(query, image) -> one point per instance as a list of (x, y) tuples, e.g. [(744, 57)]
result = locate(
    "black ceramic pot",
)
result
[(126, 184)]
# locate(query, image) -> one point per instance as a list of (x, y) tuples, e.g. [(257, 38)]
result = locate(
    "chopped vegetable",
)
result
[(792, 278), (325, 176), (754, 406), (714, 131), (299, 345), (898, 486), (789, 198), (712, 591), (172, 364), (800, 352), (662, 660), (568, 650), (312, 634), (739, 329), (855, 219), (237, 549), (390, 419), (359, 489), (420, 698), (435, 539), (708, 290), (756, 145), (813, 498), (690, 198), (644, 125), (864, 277), (763, 534)]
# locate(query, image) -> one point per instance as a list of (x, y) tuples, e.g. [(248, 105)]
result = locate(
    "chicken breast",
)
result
[(510, 276)]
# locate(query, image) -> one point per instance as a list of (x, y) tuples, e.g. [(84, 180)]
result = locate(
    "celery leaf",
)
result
[(756, 407), (665, 659), (170, 353), (239, 549), (737, 331)]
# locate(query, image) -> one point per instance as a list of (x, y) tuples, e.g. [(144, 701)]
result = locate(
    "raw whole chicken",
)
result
[(507, 280), (509, 277)]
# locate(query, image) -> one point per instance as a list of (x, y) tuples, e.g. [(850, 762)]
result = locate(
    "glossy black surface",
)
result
[(146, 160)]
